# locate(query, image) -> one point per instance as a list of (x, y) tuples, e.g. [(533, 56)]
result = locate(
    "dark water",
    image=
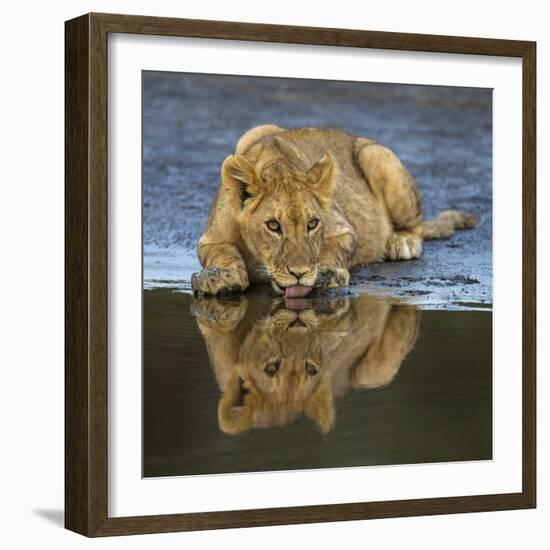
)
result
[(249, 383)]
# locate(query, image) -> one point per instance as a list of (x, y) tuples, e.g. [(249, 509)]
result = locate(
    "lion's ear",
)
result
[(321, 178), (235, 413), (320, 407), (240, 179)]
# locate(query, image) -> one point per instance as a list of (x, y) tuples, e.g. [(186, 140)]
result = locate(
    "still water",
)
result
[(250, 383)]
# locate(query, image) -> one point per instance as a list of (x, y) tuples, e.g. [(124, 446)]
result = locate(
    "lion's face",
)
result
[(280, 211), (279, 375), (285, 231), (281, 356)]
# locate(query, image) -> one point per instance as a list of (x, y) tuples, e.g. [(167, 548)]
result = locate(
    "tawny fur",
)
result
[(337, 199), (356, 344)]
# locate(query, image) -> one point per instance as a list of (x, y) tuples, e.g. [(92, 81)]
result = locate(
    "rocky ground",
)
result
[(444, 136)]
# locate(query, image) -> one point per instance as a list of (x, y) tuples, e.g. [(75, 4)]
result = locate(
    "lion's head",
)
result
[(280, 375), (280, 202)]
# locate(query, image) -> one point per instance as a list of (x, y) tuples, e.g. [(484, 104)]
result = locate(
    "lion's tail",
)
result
[(447, 223)]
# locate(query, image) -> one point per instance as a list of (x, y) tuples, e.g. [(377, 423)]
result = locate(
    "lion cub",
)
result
[(299, 208), (274, 364)]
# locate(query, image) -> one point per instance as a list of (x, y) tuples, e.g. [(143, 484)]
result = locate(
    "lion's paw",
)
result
[(214, 281), (219, 312), (404, 245), (332, 277)]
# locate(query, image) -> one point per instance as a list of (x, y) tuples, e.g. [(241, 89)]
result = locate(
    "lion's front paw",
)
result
[(212, 281), (332, 277), (222, 313), (404, 245)]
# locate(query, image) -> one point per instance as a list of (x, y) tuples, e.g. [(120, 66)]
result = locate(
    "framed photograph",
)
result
[(300, 274)]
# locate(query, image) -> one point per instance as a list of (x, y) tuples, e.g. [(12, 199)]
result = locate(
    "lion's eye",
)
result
[(312, 224), (271, 369), (311, 369), (273, 225)]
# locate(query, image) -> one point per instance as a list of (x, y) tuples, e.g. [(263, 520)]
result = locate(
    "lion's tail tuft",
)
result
[(447, 223)]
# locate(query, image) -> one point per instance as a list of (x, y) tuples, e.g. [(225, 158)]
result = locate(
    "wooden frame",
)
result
[(86, 274)]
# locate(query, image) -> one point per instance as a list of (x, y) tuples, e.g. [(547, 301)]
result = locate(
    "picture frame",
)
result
[(87, 269)]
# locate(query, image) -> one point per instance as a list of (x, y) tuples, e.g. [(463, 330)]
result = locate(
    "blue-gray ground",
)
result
[(443, 134)]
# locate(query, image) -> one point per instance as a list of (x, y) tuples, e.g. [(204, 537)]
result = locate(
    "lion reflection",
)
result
[(275, 362)]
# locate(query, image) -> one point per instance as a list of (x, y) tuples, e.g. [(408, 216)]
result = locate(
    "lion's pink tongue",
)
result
[(297, 291)]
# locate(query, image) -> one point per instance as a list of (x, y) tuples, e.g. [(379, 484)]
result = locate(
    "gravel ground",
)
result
[(443, 134)]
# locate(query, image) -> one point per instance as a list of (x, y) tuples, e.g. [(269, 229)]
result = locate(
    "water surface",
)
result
[(249, 383)]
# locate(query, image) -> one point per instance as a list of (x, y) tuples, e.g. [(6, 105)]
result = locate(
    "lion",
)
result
[(299, 208), (275, 363)]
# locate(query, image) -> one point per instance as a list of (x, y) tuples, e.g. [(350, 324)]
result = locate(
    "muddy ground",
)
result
[(443, 135)]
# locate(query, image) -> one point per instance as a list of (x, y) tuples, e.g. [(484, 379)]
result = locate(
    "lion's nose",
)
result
[(296, 272)]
